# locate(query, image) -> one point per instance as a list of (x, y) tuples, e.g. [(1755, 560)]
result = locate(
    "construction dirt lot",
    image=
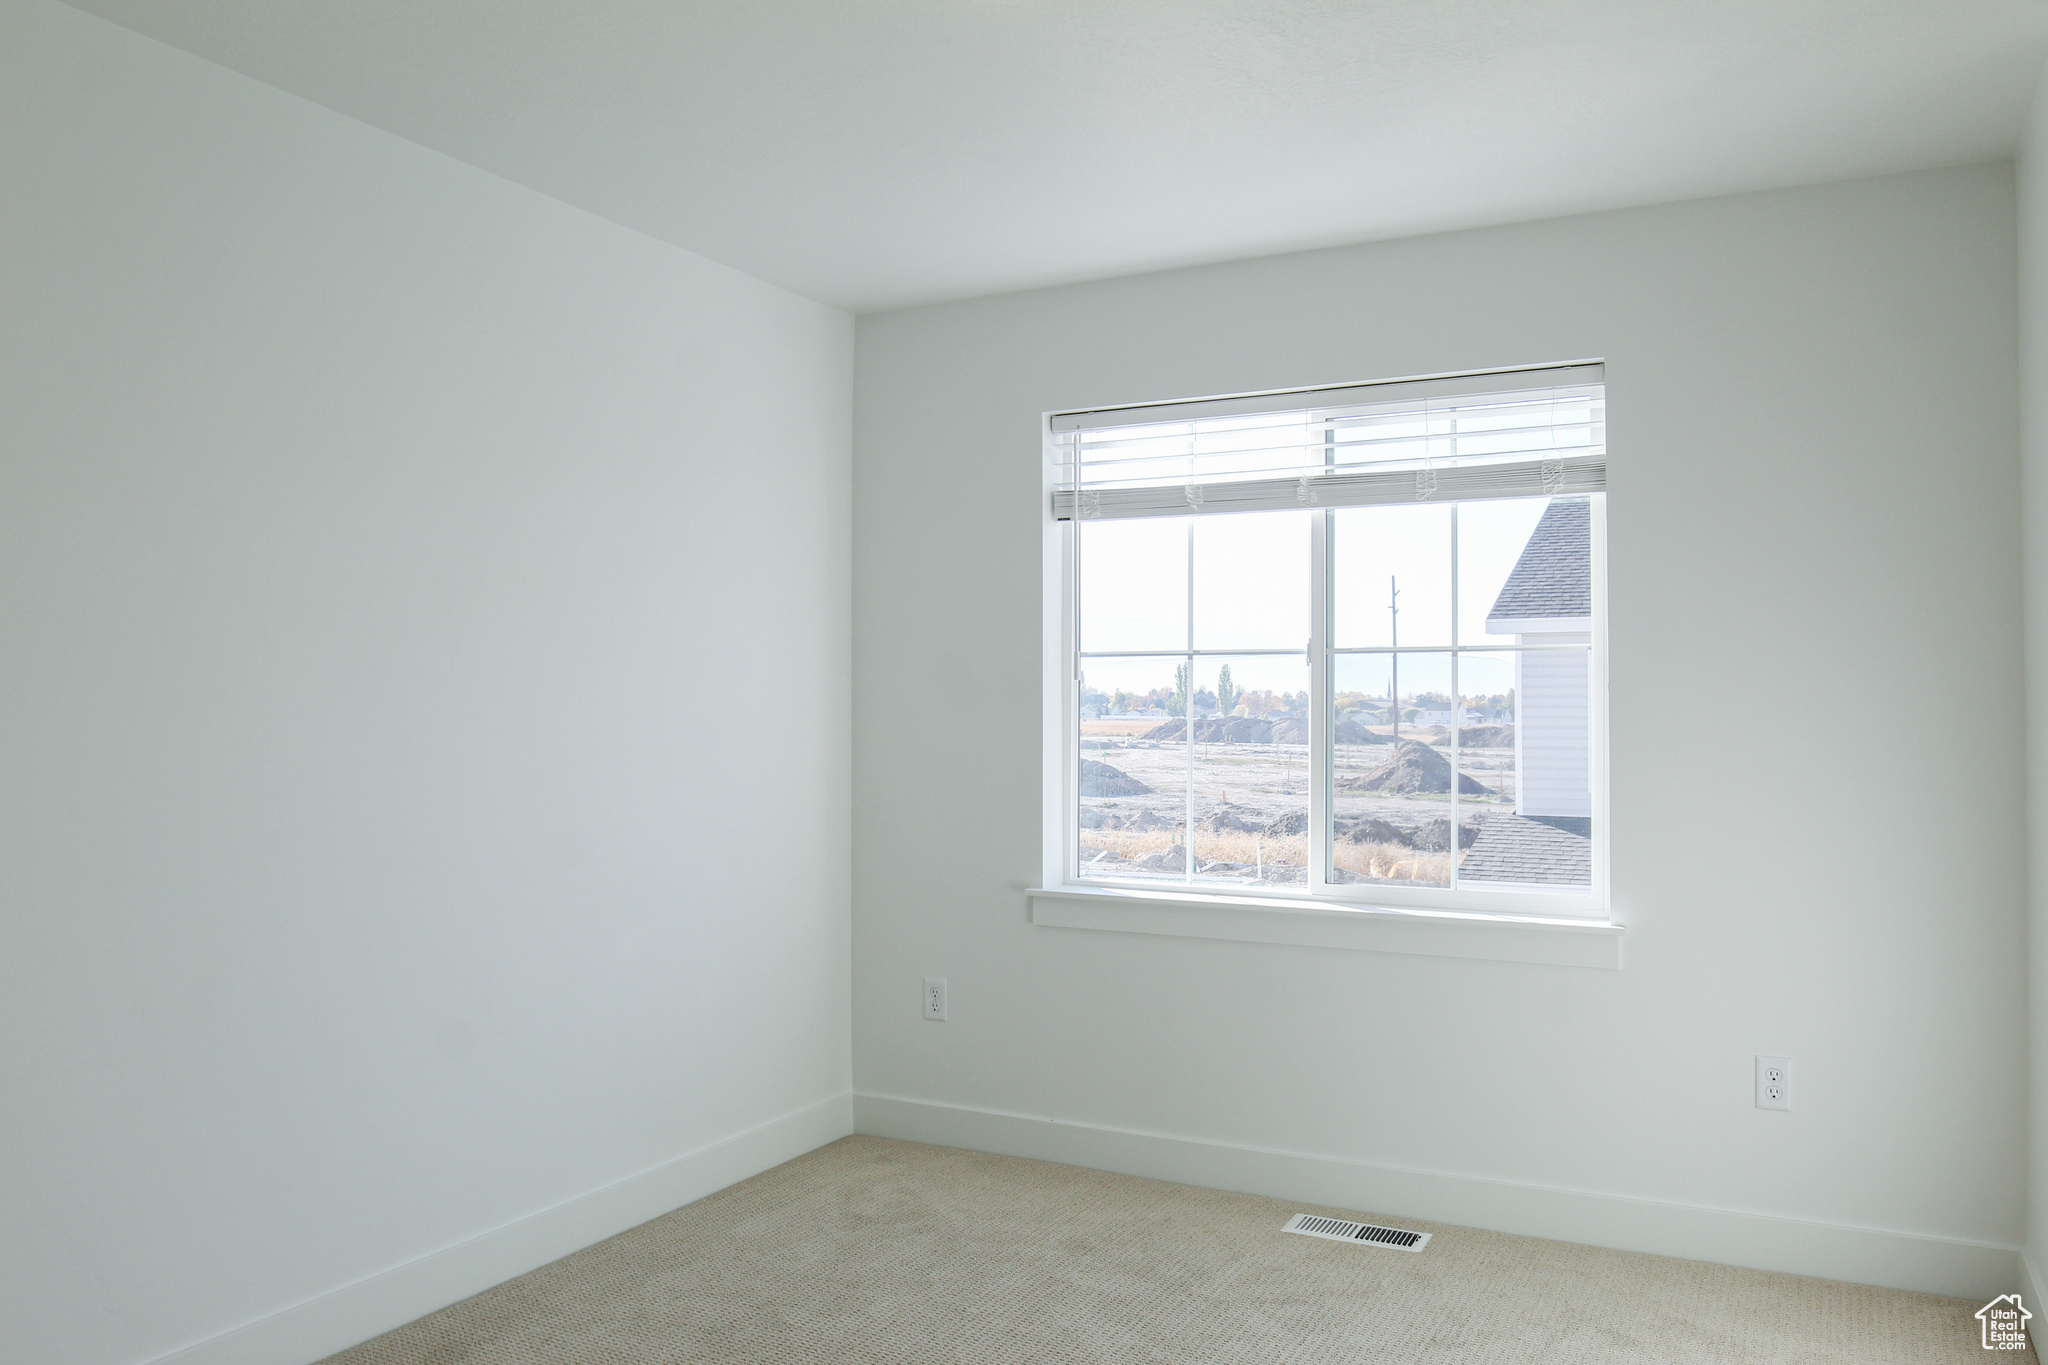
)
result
[(1392, 809)]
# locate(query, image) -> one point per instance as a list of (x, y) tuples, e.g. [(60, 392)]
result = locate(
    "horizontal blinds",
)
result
[(1517, 479), (1504, 434)]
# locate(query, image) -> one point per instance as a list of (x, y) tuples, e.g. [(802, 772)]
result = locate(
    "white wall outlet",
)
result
[(1774, 1082), (935, 998)]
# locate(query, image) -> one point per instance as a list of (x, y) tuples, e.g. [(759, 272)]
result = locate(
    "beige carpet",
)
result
[(876, 1251)]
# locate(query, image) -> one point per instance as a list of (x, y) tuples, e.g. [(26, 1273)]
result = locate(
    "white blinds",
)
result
[(1511, 434)]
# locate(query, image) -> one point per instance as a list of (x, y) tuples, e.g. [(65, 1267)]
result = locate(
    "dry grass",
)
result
[(1242, 846), (1124, 726), (1393, 862), (1387, 862), (1123, 843), (1227, 846)]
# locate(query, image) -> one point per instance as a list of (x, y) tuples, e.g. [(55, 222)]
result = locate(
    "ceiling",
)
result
[(874, 153)]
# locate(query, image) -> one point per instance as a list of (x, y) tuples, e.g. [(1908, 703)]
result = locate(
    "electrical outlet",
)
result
[(1774, 1082), (935, 998)]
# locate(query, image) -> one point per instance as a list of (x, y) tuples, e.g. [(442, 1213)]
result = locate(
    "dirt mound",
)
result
[(1222, 820), (1099, 779), (1283, 826), (1431, 836), (1294, 730), (1487, 736), (1165, 731), (1246, 730), (1435, 836), (1220, 730), (1413, 768), (1109, 817), (1373, 832)]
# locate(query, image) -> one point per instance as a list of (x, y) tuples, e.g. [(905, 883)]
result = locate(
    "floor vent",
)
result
[(1337, 1230)]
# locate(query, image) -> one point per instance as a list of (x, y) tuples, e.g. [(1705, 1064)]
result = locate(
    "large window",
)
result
[(1343, 643)]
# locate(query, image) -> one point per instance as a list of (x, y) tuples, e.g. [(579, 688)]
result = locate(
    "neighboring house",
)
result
[(1548, 600)]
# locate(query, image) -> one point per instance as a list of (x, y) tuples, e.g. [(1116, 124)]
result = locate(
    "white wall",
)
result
[(423, 652), (2033, 255), (1812, 399)]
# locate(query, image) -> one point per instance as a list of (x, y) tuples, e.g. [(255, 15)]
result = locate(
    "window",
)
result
[(1339, 644)]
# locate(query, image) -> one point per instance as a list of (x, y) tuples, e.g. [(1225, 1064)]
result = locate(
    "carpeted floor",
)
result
[(876, 1251)]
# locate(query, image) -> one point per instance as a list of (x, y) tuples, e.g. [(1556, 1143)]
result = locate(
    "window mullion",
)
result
[(1070, 710), (1457, 831), (1596, 698), (1070, 740), (1320, 748), (1188, 713)]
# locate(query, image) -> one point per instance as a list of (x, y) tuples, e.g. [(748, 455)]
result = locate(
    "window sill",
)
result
[(1252, 919)]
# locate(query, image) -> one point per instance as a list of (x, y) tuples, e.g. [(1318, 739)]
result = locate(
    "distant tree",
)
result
[(1177, 704), (1227, 692), (1257, 702), (1121, 701)]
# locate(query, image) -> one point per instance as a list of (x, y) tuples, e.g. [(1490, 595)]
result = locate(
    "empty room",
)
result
[(1013, 681)]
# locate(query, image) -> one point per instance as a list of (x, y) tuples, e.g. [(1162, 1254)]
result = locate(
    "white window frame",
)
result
[(1494, 922)]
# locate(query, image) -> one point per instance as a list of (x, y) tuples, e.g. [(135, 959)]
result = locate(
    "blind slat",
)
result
[(1508, 479)]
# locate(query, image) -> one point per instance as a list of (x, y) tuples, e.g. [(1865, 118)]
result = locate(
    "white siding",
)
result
[(1551, 735)]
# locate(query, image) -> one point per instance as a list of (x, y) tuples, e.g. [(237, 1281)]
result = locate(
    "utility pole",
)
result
[(1394, 638)]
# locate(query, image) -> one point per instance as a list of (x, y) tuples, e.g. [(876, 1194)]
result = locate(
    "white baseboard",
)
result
[(1859, 1255), (355, 1312)]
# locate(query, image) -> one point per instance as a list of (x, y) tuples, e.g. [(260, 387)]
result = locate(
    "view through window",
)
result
[(1339, 650)]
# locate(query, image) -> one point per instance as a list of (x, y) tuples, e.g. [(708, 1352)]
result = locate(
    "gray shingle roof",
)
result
[(1552, 850), (1554, 576)]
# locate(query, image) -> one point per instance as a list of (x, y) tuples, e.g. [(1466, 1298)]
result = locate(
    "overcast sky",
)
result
[(1251, 575)]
